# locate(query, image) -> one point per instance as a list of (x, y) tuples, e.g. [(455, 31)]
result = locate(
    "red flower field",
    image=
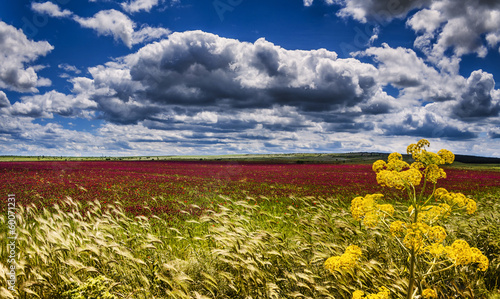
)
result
[(172, 184)]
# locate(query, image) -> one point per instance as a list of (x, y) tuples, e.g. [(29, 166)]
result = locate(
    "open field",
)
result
[(171, 183), (265, 158), (224, 229)]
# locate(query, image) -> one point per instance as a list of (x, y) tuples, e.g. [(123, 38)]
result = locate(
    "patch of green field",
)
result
[(476, 166), (462, 161), (267, 158)]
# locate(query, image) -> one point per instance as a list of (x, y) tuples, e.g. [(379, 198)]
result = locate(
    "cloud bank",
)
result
[(460, 26), (203, 92), (195, 92)]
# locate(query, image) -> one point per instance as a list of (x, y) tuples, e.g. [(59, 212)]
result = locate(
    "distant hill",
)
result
[(476, 159)]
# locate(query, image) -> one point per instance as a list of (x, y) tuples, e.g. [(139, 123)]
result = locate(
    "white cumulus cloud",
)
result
[(18, 52), (308, 2), (111, 23), (120, 27), (69, 68), (461, 25), (4, 101), (50, 9), (468, 99), (45, 105), (147, 34), (132, 6)]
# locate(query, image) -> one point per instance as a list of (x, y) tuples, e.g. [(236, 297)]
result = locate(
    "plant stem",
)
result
[(413, 253), (430, 196), (441, 270), (423, 187), (412, 274)]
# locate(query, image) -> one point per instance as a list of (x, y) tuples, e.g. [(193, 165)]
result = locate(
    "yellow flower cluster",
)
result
[(456, 199), (435, 249), (396, 173), (416, 149), (382, 294), (447, 156), (367, 210), (437, 234), (416, 235), (419, 154), (431, 213), (397, 228), (417, 165), (429, 160), (399, 180), (395, 162), (346, 261), (379, 165), (462, 254), (433, 173), (429, 294)]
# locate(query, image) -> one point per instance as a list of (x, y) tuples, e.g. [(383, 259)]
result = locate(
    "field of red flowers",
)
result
[(166, 186)]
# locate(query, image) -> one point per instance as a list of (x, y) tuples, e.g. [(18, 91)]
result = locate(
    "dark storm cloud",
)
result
[(254, 136), (117, 111), (375, 108), (228, 126), (198, 70), (494, 135), (425, 125), (284, 127), (276, 119), (351, 127), (267, 60), (477, 100)]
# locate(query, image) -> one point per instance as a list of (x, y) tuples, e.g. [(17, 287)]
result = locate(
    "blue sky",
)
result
[(179, 77)]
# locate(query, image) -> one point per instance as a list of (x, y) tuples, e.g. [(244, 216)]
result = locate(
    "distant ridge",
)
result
[(476, 159)]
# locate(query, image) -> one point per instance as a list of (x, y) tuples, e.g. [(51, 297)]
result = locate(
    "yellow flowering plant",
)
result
[(417, 230), (382, 294), (346, 261)]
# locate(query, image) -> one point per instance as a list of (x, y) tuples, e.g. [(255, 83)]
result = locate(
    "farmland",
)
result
[(171, 183), (226, 229)]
